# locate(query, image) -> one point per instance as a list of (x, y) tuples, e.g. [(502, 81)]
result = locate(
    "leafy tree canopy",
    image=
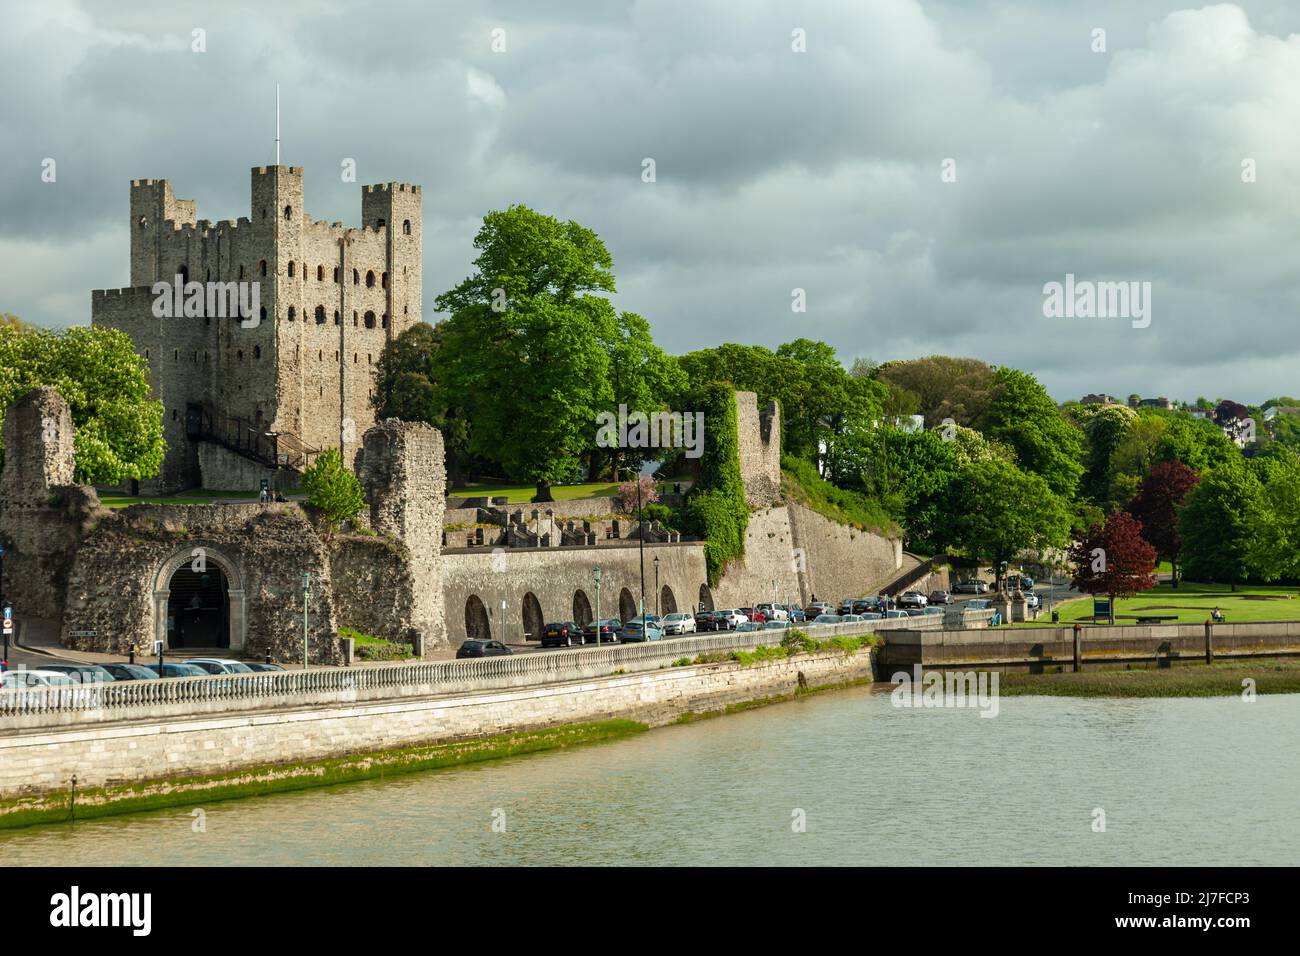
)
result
[(1022, 415)]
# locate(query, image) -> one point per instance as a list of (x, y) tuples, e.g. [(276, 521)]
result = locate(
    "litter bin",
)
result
[(1056, 617)]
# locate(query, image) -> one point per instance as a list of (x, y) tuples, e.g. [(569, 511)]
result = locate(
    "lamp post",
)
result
[(595, 576), (656, 585), (640, 536), (306, 594)]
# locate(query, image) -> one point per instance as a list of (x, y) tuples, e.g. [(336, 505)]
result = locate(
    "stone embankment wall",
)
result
[(37, 763)]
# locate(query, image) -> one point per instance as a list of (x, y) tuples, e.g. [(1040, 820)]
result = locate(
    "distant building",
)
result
[(1161, 402), (1099, 399)]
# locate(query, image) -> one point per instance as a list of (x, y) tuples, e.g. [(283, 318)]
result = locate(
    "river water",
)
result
[(836, 778)]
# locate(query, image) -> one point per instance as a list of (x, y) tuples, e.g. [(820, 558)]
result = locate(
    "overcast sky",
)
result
[(775, 169)]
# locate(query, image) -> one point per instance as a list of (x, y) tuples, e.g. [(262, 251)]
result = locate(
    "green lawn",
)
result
[(1191, 603), (524, 493)]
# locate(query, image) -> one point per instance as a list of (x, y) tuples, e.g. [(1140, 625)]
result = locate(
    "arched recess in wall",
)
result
[(581, 608), (626, 605), (477, 626), (532, 617), (667, 602), (706, 597)]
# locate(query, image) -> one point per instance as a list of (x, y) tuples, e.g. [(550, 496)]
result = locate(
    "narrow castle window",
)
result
[(320, 315), (380, 223), (176, 355), (354, 319), (320, 273), (146, 353), (293, 313), (288, 212), (320, 355), (263, 313), (337, 318), (336, 275), (184, 273), (241, 272), (354, 358), (336, 355), (406, 227), (385, 320), (262, 266), (370, 279), (240, 355), (290, 268), (384, 280), (356, 277), (370, 320), (257, 351)]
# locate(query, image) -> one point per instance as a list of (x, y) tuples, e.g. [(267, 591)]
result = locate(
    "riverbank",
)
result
[(114, 768), (1183, 680)]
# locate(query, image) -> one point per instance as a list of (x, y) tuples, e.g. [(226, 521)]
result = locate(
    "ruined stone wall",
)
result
[(758, 434), (769, 556), (117, 589), (401, 466), (373, 587), (842, 561), (41, 511)]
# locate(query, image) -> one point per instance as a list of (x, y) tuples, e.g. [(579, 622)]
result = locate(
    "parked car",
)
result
[(749, 626), (707, 621), (774, 612), (940, 596), (264, 668), (220, 665), (732, 619), (851, 618), (1026, 584), (608, 631), (562, 634), (912, 599), (933, 610), (894, 615), (827, 619), (818, 607), (797, 615), (130, 672), (637, 632), (873, 616), (678, 622), (776, 625), (753, 614), (82, 673), (970, 587), (178, 670), (22, 680), (482, 648), (979, 604), (913, 611), (1032, 600)]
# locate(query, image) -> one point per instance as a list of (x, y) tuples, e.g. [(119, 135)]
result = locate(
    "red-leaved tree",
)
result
[(1114, 559), (1156, 506)]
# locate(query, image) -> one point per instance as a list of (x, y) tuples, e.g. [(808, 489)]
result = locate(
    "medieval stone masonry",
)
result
[(330, 298)]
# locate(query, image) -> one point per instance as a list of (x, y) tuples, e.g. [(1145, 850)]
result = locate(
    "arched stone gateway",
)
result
[(667, 603), (581, 608), (199, 601), (477, 626), (532, 617), (706, 598), (626, 605)]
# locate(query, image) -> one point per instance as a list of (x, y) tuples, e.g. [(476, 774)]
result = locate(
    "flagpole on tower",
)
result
[(277, 124)]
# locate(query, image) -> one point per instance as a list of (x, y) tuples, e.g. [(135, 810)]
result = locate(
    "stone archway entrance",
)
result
[(706, 598), (667, 601), (199, 601), (581, 608), (198, 608), (532, 617), (626, 605), (477, 626)]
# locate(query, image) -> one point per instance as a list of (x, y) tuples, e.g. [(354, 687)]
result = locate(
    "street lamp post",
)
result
[(656, 585), (306, 594), (595, 576), (640, 536)]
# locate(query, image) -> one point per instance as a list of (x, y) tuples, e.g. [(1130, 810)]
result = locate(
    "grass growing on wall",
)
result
[(377, 648), (716, 509), (801, 483)]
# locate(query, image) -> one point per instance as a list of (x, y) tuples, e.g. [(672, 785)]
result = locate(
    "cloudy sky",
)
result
[(775, 170)]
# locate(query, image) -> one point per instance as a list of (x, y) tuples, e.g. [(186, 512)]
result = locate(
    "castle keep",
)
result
[(242, 399)]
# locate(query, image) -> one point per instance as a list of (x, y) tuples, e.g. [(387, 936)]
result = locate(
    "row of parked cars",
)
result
[(64, 675)]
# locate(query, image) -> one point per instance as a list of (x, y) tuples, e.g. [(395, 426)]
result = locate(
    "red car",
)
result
[(756, 616)]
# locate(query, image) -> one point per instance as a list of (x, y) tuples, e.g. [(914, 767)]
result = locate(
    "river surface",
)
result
[(836, 778)]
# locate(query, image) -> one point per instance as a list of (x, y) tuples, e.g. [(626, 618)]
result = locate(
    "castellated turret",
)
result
[(259, 398)]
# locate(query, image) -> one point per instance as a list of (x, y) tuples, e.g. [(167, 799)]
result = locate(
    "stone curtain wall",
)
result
[(41, 511), (842, 561), (373, 588), (123, 567), (401, 466), (769, 557), (555, 575)]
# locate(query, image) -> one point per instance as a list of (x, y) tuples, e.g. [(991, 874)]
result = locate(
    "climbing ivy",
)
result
[(717, 511)]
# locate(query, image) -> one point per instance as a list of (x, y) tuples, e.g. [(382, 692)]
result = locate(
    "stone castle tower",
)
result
[(241, 401)]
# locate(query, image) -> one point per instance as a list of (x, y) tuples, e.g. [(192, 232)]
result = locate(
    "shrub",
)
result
[(332, 490)]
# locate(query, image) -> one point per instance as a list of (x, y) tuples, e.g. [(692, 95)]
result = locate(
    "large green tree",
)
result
[(1218, 523), (642, 378), (1022, 415), (119, 432), (946, 387), (524, 352)]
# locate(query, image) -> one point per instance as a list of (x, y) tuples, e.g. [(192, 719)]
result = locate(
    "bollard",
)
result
[(1078, 648), (130, 657), (1209, 643), (268, 657)]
